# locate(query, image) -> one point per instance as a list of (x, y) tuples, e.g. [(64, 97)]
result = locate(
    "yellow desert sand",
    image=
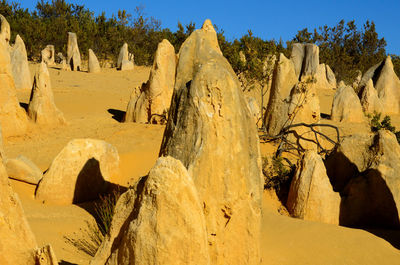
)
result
[(93, 105)]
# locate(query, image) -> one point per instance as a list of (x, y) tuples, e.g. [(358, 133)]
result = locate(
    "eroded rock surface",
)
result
[(42, 108), (19, 65), (211, 130), (386, 84), (23, 169), (48, 55), (13, 118), (18, 243), (153, 102), (80, 172), (311, 196), (346, 106), (73, 54), (166, 199), (94, 66), (125, 59)]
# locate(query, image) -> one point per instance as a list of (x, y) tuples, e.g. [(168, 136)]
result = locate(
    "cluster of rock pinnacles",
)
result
[(201, 202)]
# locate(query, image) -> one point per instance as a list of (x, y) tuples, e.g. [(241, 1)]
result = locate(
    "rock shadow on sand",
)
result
[(366, 201), (118, 115), (98, 197)]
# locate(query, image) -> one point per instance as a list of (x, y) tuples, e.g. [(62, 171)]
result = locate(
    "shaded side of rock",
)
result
[(372, 198), (42, 108), (80, 172), (349, 159)]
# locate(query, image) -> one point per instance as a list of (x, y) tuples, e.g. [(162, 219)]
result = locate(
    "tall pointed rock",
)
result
[(19, 65), (94, 66), (13, 118), (211, 130), (42, 108), (73, 54), (154, 101)]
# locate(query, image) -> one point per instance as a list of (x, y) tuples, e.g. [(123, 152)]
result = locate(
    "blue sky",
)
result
[(267, 19)]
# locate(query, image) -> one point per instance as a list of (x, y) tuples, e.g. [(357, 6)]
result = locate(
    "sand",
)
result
[(93, 105)]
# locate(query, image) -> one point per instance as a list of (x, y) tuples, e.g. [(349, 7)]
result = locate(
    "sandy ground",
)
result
[(93, 104)]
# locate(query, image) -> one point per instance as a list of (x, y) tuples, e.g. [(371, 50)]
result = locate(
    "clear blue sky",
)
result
[(267, 19)]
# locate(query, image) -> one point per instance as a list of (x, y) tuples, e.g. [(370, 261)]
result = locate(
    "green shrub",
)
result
[(277, 176), (386, 124)]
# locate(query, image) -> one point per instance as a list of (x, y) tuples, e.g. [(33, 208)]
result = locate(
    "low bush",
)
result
[(385, 124)]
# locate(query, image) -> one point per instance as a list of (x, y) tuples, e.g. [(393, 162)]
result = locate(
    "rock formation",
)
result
[(305, 58), (23, 169), (155, 98), (311, 196), (19, 65), (17, 240), (166, 199), (46, 256), (330, 76), (254, 110), (63, 61), (42, 108), (130, 109), (73, 54), (13, 118), (365, 170), (80, 172), (370, 101), (346, 106), (386, 83), (2, 154), (125, 59), (48, 55), (372, 198), (352, 156), (211, 131), (325, 78), (18, 243), (94, 66), (291, 100), (5, 31), (357, 81)]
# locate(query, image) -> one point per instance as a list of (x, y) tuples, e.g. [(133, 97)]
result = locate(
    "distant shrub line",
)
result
[(344, 47)]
